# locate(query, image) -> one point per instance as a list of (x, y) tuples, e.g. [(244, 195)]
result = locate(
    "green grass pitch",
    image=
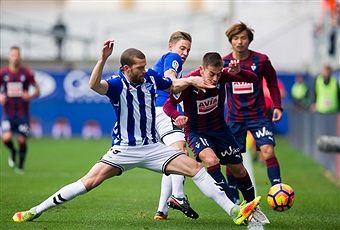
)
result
[(130, 201)]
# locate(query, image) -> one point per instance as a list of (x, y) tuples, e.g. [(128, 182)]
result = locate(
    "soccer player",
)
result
[(246, 102), (134, 141), (15, 80), (172, 186), (206, 130)]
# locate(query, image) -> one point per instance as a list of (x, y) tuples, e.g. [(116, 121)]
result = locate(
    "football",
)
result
[(280, 197)]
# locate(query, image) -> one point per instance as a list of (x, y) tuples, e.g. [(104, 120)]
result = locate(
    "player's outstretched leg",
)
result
[(65, 194)]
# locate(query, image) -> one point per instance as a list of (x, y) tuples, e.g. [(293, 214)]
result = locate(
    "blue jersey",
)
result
[(134, 107), (166, 62)]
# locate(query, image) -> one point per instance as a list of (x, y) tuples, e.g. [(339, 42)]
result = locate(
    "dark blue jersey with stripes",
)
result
[(245, 101), (13, 85)]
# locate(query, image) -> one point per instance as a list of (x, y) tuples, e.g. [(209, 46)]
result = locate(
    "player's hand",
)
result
[(3, 99), (234, 67), (277, 115), (25, 96), (200, 84), (181, 121), (107, 48)]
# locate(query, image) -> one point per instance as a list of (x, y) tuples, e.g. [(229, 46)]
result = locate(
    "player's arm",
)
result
[(96, 83), (169, 109), (36, 91), (178, 85), (271, 78)]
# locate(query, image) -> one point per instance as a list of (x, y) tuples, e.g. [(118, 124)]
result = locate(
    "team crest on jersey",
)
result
[(22, 78), (175, 65), (253, 67), (177, 95), (197, 145), (207, 105)]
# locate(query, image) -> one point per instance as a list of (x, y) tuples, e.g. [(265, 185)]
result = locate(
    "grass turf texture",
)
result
[(130, 201)]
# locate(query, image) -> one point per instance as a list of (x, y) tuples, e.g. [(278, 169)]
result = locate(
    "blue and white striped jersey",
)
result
[(134, 107)]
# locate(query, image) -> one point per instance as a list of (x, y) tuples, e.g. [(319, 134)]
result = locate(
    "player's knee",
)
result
[(210, 161)]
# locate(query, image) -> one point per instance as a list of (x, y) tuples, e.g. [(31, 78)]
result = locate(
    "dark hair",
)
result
[(212, 59), (238, 28), (126, 58), (178, 35)]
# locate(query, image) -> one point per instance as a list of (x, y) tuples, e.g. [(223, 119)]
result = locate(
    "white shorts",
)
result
[(167, 131), (154, 157)]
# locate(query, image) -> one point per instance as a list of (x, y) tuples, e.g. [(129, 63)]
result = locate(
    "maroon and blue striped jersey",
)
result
[(245, 101), (204, 110), (13, 85)]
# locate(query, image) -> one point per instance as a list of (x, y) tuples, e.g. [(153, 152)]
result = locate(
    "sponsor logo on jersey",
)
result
[(242, 87), (207, 105)]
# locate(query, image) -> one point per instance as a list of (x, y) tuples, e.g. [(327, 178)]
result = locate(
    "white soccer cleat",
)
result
[(258, 216)]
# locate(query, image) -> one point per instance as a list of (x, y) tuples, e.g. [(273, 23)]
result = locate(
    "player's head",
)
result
[(240, 36), (326, 71), (211, 68), (180, 42), (133, 63), (14, 57)]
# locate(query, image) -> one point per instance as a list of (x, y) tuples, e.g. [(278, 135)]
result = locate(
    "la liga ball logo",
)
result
[(280, 197)]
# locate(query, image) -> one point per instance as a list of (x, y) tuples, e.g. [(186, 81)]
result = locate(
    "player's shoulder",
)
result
[(228, 56), (28, 71), (262, 56), (171, 55), (3, 69), (153, 73)]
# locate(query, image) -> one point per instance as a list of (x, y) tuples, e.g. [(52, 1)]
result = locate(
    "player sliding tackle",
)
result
[(134, 141)]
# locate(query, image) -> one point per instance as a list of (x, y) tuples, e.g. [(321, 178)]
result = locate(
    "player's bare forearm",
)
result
[(96, 83), (178, 85)]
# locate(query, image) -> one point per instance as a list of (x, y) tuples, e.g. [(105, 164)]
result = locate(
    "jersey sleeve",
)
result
[(115, 88), (269, 74), (172, 61), (162, 83), (169, 107), (30, 76)]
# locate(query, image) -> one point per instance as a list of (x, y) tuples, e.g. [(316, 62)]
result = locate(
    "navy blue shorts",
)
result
[(16, 125), (262, 132), (222, 142)]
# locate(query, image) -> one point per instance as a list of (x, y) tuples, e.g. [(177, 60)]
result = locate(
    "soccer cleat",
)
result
[(183, 205), (11, 162), (160, 216), (241, 213), (259, 216), (18, 171), (26, 215)]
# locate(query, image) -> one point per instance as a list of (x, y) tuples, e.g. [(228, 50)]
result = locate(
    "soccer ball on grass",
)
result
[(280, 197)]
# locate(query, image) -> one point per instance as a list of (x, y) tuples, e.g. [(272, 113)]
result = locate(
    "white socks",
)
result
[(171, 185), (208, 186), (65, 194)]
